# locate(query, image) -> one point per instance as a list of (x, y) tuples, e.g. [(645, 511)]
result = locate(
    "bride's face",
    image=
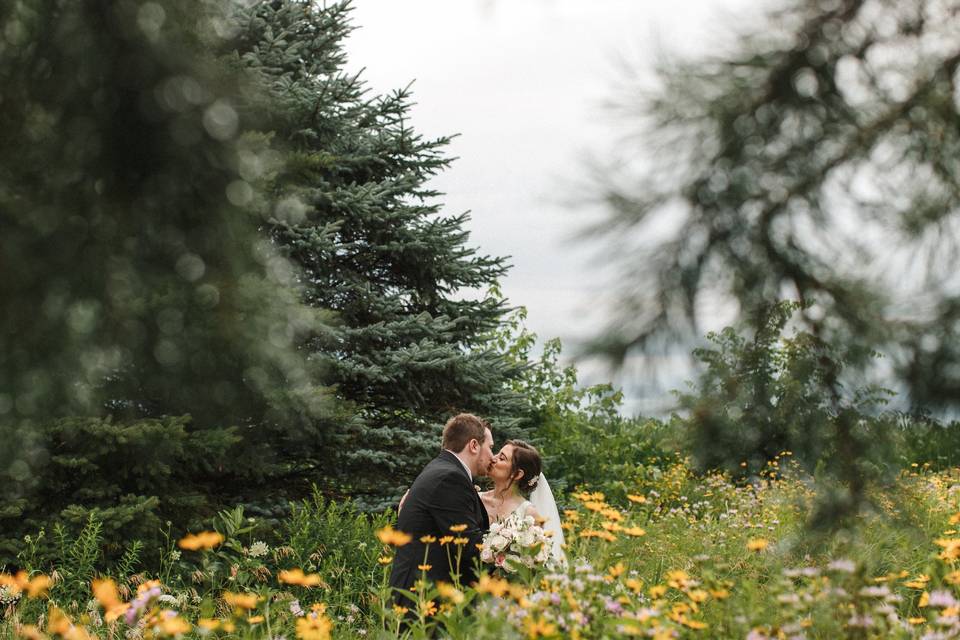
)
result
[(502, 464)]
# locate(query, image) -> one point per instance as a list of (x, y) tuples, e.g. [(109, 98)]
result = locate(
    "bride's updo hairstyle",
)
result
[(527, 459)]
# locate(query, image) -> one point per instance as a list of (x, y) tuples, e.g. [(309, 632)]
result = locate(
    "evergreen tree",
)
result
[(135, 280), (817, 160), (352, 208)]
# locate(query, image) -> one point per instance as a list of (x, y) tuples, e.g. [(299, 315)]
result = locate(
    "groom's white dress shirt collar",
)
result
[(460, 460)]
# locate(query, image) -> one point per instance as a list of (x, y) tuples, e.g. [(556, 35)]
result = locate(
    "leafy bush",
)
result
[(579, 430), (765, 394), (128, 476), (335, 540), (920, 438)]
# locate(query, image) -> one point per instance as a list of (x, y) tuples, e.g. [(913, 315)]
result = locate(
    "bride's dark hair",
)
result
[(527, 459)]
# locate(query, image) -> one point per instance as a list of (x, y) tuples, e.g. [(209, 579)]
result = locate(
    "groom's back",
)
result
[(442, 496)]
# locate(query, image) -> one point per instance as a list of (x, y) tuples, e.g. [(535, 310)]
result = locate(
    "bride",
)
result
[(518, 484)]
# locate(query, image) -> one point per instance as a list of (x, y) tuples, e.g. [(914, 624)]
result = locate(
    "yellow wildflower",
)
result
[(428, 539), (314, 628), (919, 582), (389, 535), (299, 578), (30, 632), (538, 628), (636, 498), (143, 587), (58, 623), (693, 624), (494, 586), (698, 595), (450, 592), (241, 600), (458, 528), (518, 593), (201, 541), (105, 592), (174, 626), (38, 586), (757, 544), (951, 548), (678, 579), (35, 587)]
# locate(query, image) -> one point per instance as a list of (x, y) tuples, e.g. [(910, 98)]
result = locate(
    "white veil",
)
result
[(542, 500)]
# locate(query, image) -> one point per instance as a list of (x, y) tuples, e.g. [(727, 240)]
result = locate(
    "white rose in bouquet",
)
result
[(514, 542)]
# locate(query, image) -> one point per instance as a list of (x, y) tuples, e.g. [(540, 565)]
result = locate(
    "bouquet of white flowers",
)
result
[(516, 541)]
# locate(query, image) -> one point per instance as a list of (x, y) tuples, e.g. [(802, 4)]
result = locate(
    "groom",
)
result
[(443, 496)]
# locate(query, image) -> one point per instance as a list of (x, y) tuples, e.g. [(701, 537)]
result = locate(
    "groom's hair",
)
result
[(461, 429)]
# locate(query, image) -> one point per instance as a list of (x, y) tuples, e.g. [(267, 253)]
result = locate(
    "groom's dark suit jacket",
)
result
[(442, 496)]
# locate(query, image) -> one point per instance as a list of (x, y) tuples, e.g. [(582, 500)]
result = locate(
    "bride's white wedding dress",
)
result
[(544, 504)]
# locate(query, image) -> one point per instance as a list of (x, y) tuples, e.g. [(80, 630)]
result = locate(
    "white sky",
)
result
[(523, 83)]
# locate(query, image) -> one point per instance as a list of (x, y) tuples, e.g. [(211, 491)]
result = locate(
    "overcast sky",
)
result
[(523, 83)]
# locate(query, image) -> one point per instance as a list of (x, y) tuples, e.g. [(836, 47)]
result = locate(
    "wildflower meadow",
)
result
[(677, 555)]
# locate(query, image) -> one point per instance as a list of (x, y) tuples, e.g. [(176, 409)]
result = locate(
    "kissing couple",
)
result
[(443, 499)]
